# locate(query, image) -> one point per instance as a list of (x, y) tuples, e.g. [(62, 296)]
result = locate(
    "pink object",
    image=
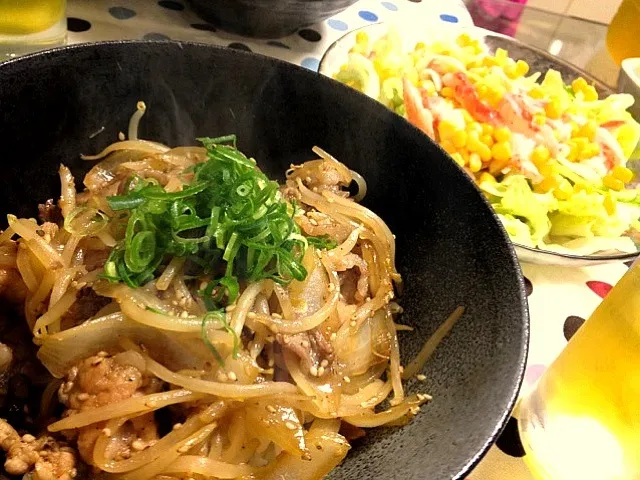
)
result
[(497, 16)]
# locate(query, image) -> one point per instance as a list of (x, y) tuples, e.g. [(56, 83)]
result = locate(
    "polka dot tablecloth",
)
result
[(168, 19), (559, 298)]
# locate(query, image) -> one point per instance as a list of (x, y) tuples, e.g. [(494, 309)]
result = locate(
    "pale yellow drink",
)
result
[(582, 421), (622, 35), (24, 22)]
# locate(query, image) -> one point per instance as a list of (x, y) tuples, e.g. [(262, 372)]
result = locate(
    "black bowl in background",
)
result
[(451, 249), (267, 18)]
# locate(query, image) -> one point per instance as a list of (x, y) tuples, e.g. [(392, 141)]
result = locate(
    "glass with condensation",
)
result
[(28, 25), (582, 420)]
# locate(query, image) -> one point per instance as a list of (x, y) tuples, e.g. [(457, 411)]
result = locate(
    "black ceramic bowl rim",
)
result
[(517, 375), (587, 259)]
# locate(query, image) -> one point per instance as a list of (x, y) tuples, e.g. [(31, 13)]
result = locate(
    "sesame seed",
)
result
[(184, 314), (333, 336), (102, 354), (97, 361), (324, 363), (28, 438), (320, 371), (363, 404), (421, 377), (353, 323), (151, 404), (307, 179), (401, 368), (286, 340), (183, 449), (106, 432), (305, 343), (271, 408), (313, 222), (290, 425), (271, 362), (346, 379), (251, 315), (177, 426), (183, 301), (332, 287), (313, 371), (415, 410), (83, 397), (232, 376)]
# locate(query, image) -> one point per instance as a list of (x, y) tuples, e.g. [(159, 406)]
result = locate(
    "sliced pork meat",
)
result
[(45, 457)]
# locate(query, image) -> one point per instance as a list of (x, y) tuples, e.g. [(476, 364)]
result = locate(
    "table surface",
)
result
[(559, 298)]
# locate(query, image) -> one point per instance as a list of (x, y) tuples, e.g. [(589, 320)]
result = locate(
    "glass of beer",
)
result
[(622, 40), (27, 25), (582, 420)]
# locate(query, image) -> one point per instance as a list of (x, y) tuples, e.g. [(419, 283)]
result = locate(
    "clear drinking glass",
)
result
[(582, 420), (27, 25)]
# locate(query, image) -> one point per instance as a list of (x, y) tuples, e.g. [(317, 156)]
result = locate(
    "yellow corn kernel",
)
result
[(588, 151), (362, 37), (457, 157), (501, 151), (613, 183), (487, 140), (419, 46), (622, 173), (579, 84), (546, 170), (553, 109), (463, 39), (588, 130), (487, 129), (467, 117), (475, 163), (459, 138), (540, 155), (489, 61), (610, 204), (496, 166), (486, 178), (536, 92), (590, 93), (501, 54), (522, 68), (474, 129), (446, 92), (510, 68), (539, 119), (485, 153), (547, 184), (483, 91), (502, 134), (473, 142), (446, 129), (564, 190), (448, 146)]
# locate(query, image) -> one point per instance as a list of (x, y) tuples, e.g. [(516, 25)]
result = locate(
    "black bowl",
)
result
[(451, 249), (267, 18)]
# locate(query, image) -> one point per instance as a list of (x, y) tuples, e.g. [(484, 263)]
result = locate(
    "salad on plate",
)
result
[(551, 157)]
